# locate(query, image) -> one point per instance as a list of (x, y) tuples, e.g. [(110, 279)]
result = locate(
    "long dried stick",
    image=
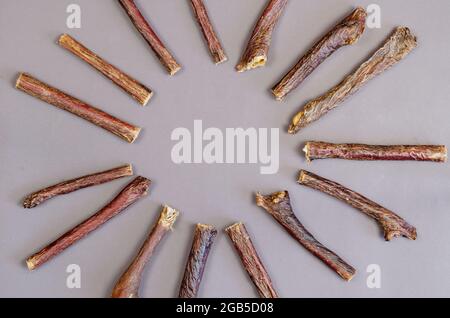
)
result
[(397, 47), (128, 284), (392, 224), (131, 86), (69, 186), (250, 260), (134, 191), (257, 50), (204, 236), (55, 97), (347, 32), (279, 206)]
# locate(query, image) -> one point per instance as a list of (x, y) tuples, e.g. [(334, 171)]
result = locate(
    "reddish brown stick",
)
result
[(257, 50), (392, 224), (128, 284), (150, 36), (324, 150), (55, 97), (250, 260), (347, 32), (138, 91), (134, 191), (69, 186), (397, 47), (279, 206), (204, 236), (213, 42)]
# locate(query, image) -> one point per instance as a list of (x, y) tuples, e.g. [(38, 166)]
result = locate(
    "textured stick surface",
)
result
[(204, 236), (397, 47), (279, 206), (128, 284), (134, 191), (138, 91), (55, 97), (347, 32), (250, 260), (392, 224), (36, 198), (256, 53)]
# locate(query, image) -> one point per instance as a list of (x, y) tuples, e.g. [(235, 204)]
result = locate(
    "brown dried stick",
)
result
[(392, 224), (250, 260), (55, 97), (279, 206), (257, 49), (204, 236), (324, 150), (214, 45), (398, 46), (128, 284), (69, 186), (134, 191), (150, 36), (131, 86), (347, 32)]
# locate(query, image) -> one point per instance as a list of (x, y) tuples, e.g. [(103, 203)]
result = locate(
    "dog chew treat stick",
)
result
[(250, 260), (278, 205), (55, 97), (69, 186), (324, 150), (138, 91), (204, 236), (347, 32), (257, 49), (134, 191), (397, 47), (128, 284), (150, 36), (392, 224)]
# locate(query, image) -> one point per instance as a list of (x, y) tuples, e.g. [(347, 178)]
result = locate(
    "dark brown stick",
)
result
[(347, 32), (392, 224), (250, 260), (128, 284), (55, 97), (150, 36), (257, 50), (69, 186), (279, 206), (131, 86), (204, 236), (213, 42), (137, 189), (397, 47), (324, 150)]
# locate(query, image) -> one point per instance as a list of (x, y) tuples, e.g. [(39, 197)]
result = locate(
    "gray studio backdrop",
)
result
[(41, 145)]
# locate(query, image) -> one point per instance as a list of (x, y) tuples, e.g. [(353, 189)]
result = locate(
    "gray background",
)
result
[(41, 145)]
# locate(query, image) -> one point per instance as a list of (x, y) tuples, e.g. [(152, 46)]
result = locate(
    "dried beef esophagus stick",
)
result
[(324, 150), (150, 36), (213, 42), (397, 47), (204, 236), (55, 97), (36, 198), (255, 55), (392, 224), (138, 91), (134, 191), (128, 284), (347, 32), (278, 205), (250, 260)]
